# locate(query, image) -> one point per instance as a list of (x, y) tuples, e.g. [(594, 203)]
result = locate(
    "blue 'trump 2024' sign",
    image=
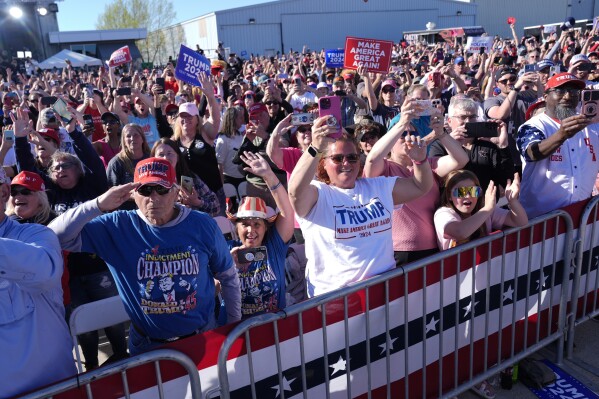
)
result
[(189, 64)]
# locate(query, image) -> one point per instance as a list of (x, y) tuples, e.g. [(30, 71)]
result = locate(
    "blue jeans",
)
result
[(90, 288)]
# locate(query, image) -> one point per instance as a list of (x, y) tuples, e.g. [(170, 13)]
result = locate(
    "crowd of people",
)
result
[(130, 175)]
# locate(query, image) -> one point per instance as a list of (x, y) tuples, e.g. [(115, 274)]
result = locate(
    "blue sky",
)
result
[(77, 14)]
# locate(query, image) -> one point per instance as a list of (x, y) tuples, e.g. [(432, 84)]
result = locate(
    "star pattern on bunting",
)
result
[(432, 325), (339, 366), (286, 386), (469, 308), (508, 294), (389, 342)]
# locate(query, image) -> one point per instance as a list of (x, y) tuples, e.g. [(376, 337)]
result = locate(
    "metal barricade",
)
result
[(586, 247), (422, 314), (121, 368)]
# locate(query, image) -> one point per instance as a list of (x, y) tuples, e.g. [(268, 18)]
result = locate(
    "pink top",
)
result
[(107, 152), (413, 228)]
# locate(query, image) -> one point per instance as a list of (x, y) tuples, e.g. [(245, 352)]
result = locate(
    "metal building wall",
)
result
[(289, 24), (201, 31), (493, 15)]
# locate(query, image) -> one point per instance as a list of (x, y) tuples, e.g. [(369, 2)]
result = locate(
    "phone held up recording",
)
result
[(590, 104), (331, 106), (481, 129)]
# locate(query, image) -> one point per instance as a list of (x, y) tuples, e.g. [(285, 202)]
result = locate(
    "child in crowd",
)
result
[(465, 215)]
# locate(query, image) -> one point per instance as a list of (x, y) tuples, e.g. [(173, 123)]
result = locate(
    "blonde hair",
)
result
[(43, 214), (124, 154), (178, 130)]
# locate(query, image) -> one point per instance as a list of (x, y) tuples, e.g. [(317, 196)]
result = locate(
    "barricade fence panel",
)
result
[(121, 378), (480, 306), (433, 328), (584, 300)]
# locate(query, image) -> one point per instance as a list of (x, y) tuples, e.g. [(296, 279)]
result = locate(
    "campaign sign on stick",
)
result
[(120, 57), (371, 53), (475, 43), (190, 64), (334, 58)]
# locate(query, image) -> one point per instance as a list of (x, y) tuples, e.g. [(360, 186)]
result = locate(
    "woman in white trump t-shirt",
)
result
[(346, 220)]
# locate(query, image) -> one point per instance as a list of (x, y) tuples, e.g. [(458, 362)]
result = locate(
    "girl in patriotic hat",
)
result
[(264, 236)]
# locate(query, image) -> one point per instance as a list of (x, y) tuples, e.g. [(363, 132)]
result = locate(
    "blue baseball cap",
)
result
[(458, 60), (545, 64)]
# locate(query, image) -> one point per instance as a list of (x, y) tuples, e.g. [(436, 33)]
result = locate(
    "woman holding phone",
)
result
[(264, 236), (346, 220), (194, 192)]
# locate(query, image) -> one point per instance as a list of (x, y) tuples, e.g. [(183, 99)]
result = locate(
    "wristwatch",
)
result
[(517, 90), (314, 152)]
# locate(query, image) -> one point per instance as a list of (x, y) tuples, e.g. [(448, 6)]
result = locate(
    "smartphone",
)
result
[(89, 92), (481, 50), (60, 107), (123, 91), (426, 107), (187, 184), (481, 129), (48, 100), (530, 68), (82, 86), (554, 70), (257, 254), (160, 82), (447, 59), (435, 77), (88, 120), (302, 119), (9, 135), (590, 103), (587, 67), (126, 79), (497, 60), (297, 81), (331, 106)]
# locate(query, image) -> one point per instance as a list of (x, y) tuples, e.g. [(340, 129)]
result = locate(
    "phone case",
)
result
[(252, 254), (9, 135), (590, 104), (481, 129), (187, 184), (302, 119), (61, 109), (331, 106)]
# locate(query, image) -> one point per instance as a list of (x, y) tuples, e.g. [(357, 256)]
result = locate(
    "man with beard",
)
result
[(558, 149)]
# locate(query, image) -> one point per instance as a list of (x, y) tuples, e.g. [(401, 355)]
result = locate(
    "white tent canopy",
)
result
[(77, 60)]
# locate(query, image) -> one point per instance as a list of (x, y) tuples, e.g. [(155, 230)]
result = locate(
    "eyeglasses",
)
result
[(339, 158), (560, 91), (465, 117), (368, 137), (147, 190), (472, 191), (14, 191), (505, 81), (385, 90), (271, 103), (63, 166), (304, 130)]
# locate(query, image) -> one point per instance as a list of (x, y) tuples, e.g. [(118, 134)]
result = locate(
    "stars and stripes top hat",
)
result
[(253, 207)]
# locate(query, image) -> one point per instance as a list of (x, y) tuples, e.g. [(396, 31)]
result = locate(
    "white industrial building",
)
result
[(290, 24)]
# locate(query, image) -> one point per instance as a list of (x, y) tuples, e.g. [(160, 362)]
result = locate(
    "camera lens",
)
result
[(325, 103)]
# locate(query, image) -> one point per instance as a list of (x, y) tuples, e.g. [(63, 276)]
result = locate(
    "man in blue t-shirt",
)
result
[(164, 256)]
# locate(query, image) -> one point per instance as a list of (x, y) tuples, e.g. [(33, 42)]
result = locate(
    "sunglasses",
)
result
[(304, 130), (339, 158), (271, 103), (249, 96), (147, 190), (511, 80), (385, 90), (461, 192), (112, 122), (14, 191), (63, 166), (172, 114)]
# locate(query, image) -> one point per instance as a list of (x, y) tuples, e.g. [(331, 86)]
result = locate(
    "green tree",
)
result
[(154, 15)]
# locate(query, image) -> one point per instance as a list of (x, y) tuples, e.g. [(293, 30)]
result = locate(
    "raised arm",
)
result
[(302, 194), (211, 126), (273, 147)]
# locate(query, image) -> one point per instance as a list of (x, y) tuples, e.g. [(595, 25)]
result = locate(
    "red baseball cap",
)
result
[(155, 171), (562, 79), (30, 180), (51, 134), (257, 108), (533, 107)]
